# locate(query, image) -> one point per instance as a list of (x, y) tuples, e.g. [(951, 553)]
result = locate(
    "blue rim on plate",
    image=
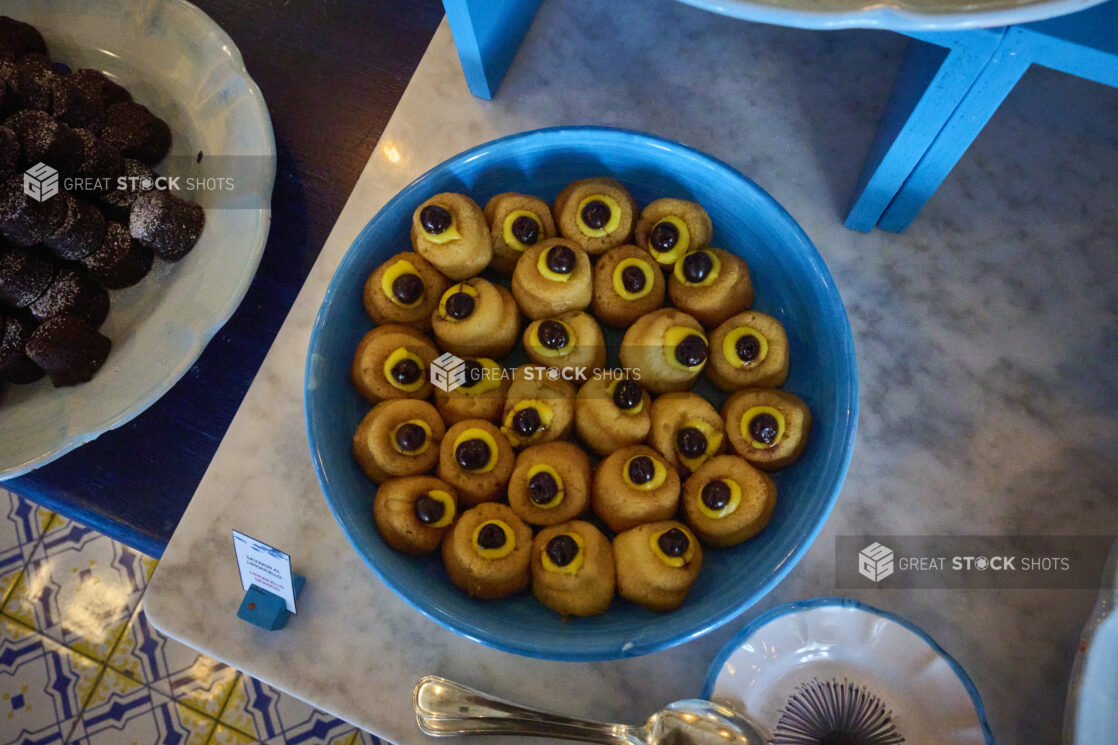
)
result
[(541, 162), (780, 611)]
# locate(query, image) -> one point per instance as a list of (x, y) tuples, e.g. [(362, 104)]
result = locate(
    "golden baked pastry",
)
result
[(634, 485), (391, 362), (711, 285), (727, 500), (667, 347), (596, 213), (451, 232), (516, 222), (477, 460), (669, 228), (488, 551), (405, 290), (627, 284), (481, 394), (414, 512), (552, 277), (571, 342), (539, 407), (686, 430), (766, 426), (550, 483), (657, 563), (476, 318), (612, 412), (398, 437), (572, 569), (748, 350)]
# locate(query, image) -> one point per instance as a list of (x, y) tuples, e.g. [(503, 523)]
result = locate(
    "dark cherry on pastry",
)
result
[(121, 260), (72, 293), (26, 221), (166, 224), (81, 232), (15, 365), (413, 512), (766, 426), (24, 276), (68, 349), (138, 133), (18, 39)]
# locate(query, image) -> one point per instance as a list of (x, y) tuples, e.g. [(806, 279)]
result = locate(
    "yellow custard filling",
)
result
[(575, 563), (730, 346), (508, 427), (506, 230), (543, 351), (474, 433), (558, 498), (490, 378), (628, 412), (672, 561), (455, 289), (715, 270), (426, 440), (399, 355), (681, 246), (448, 235), (672, 339), (545, 270), (619, 285), (501, 551), (391, 274), (659, 474), (755, 411), (448, 504), (729, 508), (611, 224), (713, 438)]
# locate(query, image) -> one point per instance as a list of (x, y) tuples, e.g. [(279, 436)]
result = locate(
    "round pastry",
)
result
[(686, 430), (550, 483), (476, 318), (767, 427), (612, 412), (657, 563), (406, 289), (748, 350), (667, 347), (634, 485), (627, 285), (595, 213), (727, 500), (572, 569), (488, 551), (516, 222), (480, 394), (413, 512), (552, 277), (571, 342), (398, 437), (391, 362), (539, 407), (451, 232), (669, 228), (711, 285), (477, 460)]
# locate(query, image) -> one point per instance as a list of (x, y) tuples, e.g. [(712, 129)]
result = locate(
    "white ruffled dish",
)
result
[(932, 699), (1092, 707), (176, 61)]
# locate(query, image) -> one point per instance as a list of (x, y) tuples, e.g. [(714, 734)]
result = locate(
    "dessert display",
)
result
[(551, 278), (627, 285), (670, 228), (573, 571), (70, 134), (516, 223), (621, 473)]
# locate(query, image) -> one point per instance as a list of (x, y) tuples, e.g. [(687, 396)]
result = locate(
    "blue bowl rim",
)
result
[(649, 644), (801, 606)]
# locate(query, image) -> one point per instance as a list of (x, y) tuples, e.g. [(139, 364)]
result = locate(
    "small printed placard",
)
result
[(266, 567)]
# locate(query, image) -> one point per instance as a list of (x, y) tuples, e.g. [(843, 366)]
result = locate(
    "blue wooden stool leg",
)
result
[(487, 34), (980, 103), (934, 77)]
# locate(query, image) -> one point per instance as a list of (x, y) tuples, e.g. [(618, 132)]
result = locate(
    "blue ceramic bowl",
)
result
[(792, 283)]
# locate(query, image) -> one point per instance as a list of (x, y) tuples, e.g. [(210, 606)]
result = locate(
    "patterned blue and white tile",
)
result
[(21, 525), (366, 738), (174, 669), (43, 686), (122, 710), (80, 588), (256, 709)]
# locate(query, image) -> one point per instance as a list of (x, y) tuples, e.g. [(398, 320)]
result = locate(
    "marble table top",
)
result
[(986, 336)]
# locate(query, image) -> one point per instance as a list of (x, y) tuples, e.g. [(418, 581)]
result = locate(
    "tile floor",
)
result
[(79, 662)]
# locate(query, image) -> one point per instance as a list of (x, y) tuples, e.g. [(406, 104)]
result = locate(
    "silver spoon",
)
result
[(443, 708)]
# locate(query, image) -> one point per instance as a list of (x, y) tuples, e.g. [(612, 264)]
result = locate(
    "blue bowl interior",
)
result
[(792, 283)]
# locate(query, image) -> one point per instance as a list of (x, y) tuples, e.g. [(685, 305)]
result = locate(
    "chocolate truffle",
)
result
[(72, 293), (72, 105), (100, 161), (24, 276), (9, 148), (34, 78), (15, 365), (26, 221), (138, 133), (138, 179), (96, 85), (166, 224), (68, 349), (18, 39), (43, 140), (81, 232), (121, 260)]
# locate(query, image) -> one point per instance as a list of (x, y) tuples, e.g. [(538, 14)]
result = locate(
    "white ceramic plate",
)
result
[(895, 15), (176, 61), (1092, 708), (932, 699)]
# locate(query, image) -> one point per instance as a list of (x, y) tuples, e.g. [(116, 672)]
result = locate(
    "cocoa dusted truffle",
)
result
[(96, 85), (168, 225), (9, 148), (121, 261), (43, 140), (138, 133), (138, 179), (72, 293), (15, 365), (34, 81), (26, 221), (68, 349), (18, 39), (24, 276), (81, 232), (71, 104), (100, 161)]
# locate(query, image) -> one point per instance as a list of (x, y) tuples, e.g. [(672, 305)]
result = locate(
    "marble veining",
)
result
[(987, 337)]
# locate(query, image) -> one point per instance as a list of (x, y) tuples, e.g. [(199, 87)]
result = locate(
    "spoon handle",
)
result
[(443, 708)]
